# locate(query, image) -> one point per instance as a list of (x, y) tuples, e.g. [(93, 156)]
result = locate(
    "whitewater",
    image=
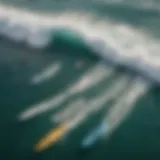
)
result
[(120, 43)]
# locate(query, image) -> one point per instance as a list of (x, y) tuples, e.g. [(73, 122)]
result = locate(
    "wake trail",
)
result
[(96, 104), (46, 74), (116, 87), (87, 81), (126, 103), (65, 127)]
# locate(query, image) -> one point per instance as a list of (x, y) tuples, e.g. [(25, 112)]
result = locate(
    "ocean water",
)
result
[(80, 63)]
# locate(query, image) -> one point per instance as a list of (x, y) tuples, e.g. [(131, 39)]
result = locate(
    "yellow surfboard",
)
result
[(51, 138)]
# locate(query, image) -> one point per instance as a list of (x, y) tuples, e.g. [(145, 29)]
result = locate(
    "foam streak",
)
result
[(46, 74), (97, 104), (125, 104), (122, 43), (54, 102)]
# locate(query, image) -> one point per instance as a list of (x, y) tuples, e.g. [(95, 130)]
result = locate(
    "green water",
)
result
[(136, 138)]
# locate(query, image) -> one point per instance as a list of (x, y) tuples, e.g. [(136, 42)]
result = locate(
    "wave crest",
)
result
[(119, 43)]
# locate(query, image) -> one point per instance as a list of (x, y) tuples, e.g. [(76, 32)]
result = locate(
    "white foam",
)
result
[(55, 101), (94, 76), (47, 73), (69, 110), (91, 106), (99, 101), (124, 105), (131, 46)]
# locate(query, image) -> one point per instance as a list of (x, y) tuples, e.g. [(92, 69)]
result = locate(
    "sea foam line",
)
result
[(54, 102), (93, 77), (56, 134), (96, 104), (116, 87), (70, 110), (46, 73), (118, 112), (123, 107), (120, 43)]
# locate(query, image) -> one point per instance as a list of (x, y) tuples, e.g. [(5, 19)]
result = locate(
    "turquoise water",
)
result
[(137, 137)]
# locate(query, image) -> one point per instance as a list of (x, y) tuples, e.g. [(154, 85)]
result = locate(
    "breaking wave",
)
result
[(119, 43)]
